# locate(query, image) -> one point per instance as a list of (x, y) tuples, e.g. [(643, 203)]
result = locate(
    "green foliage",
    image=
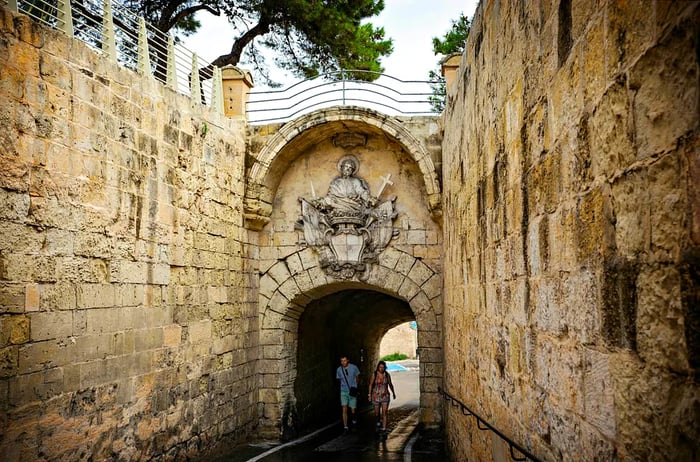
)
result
[(453, 41), (307, 37), (394, 357)]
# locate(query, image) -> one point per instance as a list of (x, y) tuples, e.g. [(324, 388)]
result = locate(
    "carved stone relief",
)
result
[(348, 227)]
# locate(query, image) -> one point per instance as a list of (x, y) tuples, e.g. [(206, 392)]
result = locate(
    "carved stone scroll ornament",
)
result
[(348, 227)]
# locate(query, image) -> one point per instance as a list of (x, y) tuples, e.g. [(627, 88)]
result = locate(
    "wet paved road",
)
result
[(361, 444)]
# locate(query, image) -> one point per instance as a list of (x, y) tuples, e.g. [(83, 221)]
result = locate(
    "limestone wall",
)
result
[(571, 170), (127, 326)]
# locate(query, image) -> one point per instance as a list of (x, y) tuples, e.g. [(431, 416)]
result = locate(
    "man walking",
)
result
[(349, 375)]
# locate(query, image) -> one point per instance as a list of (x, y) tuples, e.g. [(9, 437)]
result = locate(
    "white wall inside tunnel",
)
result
[(401, 339)]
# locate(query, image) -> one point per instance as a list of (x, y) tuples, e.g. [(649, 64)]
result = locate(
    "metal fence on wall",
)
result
[(125, 38), (122, 36), (387, 94)]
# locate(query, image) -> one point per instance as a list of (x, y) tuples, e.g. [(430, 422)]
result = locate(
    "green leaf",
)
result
[(453, 41)]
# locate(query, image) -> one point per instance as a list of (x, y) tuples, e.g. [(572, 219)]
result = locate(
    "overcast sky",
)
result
[(411, 23)]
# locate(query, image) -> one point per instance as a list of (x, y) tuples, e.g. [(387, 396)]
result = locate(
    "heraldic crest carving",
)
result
[(348, 227)]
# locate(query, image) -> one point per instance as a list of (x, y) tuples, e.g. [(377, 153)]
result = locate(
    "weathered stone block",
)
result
[(664, 102), (294, 264), (429, 339), (14, 330), (12, 298), (420, 273), (599, 393), (632, 214), (610, 129), (31, 297), (279, 272), (41, 355), (594, 228), (538, 246), (8, 361), (618, 301), (389, 257), (433, 286), (549, 314), (579, 300), (200, 331), (50, 325), (95, 295), (148, 339), (659, 319), (58, 296)]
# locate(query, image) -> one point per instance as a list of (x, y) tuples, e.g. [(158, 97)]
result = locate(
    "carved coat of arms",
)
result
[(348, 227)]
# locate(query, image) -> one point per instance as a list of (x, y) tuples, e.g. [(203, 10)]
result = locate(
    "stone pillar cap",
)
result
[(235, 73), (450, 61)]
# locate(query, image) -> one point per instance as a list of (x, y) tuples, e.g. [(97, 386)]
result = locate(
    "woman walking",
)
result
[(378, 394)]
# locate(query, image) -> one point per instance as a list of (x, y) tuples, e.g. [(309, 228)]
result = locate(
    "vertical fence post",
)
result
[(195, 84), (109, 45), (65, 17), (217, 92), (12, 6), (143, 66), (170, 75), (342, 75)]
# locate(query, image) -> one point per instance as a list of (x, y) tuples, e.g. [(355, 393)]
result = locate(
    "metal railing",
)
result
[(123, 37), (387, 94), (487, 426)]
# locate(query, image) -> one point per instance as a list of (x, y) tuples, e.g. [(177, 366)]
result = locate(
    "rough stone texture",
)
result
[(570, 161), (128, 327)]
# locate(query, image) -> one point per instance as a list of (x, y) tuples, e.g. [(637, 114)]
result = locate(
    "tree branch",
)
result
[(166, 14), (261, 28), (288, 39), (191, 10)]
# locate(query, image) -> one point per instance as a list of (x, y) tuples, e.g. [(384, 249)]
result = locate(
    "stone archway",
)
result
[(292, 283), (298, 161)]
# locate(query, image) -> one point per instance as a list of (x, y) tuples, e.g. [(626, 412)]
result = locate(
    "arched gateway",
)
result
[(346, 202)]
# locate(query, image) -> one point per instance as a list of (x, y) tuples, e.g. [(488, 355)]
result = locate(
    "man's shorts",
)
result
[(347, 400)]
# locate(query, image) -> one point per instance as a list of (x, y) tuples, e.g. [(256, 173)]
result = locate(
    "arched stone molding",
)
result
[(271, 161), (293, 282)]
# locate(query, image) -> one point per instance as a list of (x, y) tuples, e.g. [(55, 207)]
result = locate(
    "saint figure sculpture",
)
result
[(348, 196), (347, 226)]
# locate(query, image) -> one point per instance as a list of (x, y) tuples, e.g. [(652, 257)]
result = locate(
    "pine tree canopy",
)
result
[(306, 37)]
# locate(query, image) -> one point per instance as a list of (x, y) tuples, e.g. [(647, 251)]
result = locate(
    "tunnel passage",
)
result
[(307, 315), (350, 322)]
